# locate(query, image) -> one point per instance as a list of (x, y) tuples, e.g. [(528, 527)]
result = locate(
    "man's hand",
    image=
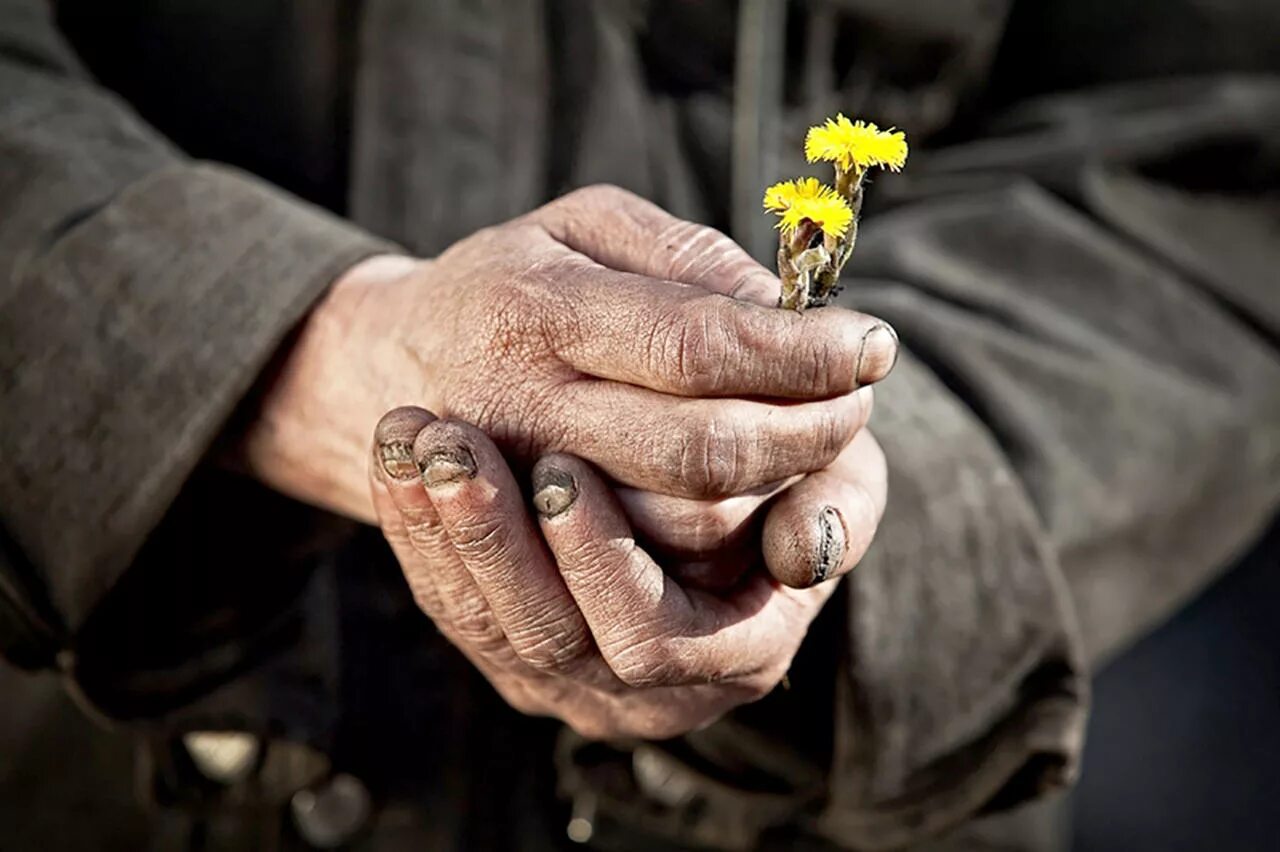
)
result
[(598, 325), (566, 615)]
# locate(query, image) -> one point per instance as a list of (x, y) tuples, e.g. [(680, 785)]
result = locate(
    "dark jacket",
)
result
[(1084, 429)]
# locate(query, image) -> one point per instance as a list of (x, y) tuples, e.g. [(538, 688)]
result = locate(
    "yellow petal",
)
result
[(855, 145), (797, 200)]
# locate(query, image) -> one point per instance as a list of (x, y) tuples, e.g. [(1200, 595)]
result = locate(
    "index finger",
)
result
[(680, 339), (623, 231)]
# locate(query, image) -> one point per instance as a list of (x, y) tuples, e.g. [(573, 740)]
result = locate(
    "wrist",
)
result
[(310, 431)]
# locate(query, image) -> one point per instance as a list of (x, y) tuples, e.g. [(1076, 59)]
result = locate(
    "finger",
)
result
[(440, 583), (702, 448), (623, 231), (650, 630), (482, 511), (682, 340), (820, 528), (694, 529), (401, 506), (460, 611)]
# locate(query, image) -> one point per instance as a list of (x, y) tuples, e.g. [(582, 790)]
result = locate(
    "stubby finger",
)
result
[(820, 528), (703, 448), (483, 513)]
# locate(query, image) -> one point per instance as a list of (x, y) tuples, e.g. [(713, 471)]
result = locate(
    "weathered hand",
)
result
[(567, 616), (598, 325)]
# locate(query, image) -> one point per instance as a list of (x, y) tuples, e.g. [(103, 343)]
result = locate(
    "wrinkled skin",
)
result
[(567, 615), (597, 325), (605, 350)]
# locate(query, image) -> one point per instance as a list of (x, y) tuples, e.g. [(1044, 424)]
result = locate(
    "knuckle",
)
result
[(603, 559), (832, 433), (711, 455), (554, 648), (425, 534), (647, 664), (642, 674), (426, 597), (690, 346), (814, 441), (833, 361), (476, 629), (479, 540)]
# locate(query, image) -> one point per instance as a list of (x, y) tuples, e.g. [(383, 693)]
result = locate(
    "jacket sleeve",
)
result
[(141, 294), (1087, 434), (1082, 432)]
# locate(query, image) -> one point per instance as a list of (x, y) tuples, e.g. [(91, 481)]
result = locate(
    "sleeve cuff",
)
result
[(137, 333)]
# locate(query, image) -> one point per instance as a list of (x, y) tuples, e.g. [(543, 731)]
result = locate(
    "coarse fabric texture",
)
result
[(1083, 429)]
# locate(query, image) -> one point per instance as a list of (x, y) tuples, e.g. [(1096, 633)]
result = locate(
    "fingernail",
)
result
[(831, 544), (448, 465), (878, 354), (394, 436), (554, 491), (397, 459)]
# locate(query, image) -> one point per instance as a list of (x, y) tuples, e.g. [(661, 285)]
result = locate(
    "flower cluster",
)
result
[(796, 201), (855, 145), (818, 224)]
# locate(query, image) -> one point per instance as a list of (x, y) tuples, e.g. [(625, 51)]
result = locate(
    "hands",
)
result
[(597, 325), (567, 616)]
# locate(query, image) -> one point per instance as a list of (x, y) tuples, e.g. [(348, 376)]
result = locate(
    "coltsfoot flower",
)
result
[(855, 145), (810, 268), (806, 199)]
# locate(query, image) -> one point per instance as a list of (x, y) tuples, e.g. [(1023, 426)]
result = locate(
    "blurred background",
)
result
[(1183, 745), (1183, 749)]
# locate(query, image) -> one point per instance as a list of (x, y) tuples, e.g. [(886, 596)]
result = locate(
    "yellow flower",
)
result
[(797, 200), (855, 145)]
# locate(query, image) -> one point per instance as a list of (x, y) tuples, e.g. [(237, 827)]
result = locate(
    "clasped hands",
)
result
[(626, 483)]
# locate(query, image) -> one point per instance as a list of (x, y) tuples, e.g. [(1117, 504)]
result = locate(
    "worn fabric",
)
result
[(1083, 429), (141, 295)]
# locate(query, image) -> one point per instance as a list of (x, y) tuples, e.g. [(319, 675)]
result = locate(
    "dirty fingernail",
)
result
[(394, 436), (448, 465), (554, 491), (878, 354), (397, 459), (831, 544)]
